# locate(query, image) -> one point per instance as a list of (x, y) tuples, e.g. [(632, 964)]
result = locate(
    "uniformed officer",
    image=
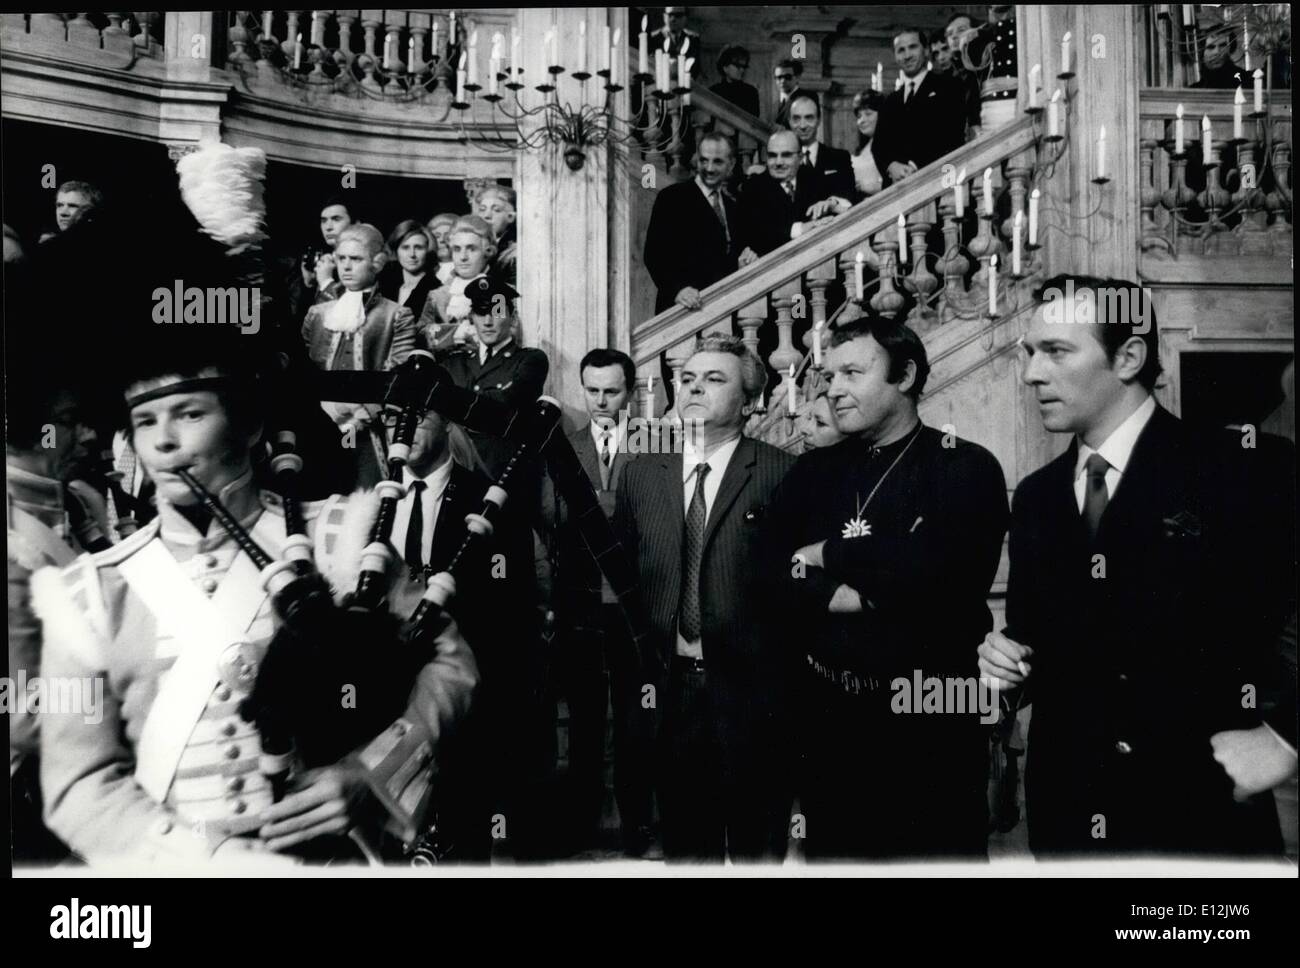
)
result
[(990, 50), (167, 773), (498, 368)]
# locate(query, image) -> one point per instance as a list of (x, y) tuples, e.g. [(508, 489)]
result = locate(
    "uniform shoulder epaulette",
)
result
[(126, 547)]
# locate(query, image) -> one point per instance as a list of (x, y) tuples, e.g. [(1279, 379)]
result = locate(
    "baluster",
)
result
[(953, 263), (675, 363), (393, 42), (51, 26), (290, 44), (419, 30), (848, 275), (114, 38), (886, 301), (1213, 200), (82, 32), (922, 282), (679, 169), (1279, 199), (985, 244), (751, 320), (238, 58), (785, 355), (645, 399), (820, 278), (1177, 198), (1252, 233), (145, 39), (1149, 197), (371, 21), (343, 54), (1019, 189)]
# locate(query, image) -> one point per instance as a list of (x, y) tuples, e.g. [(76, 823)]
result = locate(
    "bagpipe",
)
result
[(323, 650)]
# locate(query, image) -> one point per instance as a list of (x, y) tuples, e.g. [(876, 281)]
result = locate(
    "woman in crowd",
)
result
[(866, 111), (407, 280), (820, 430), (440, 229)]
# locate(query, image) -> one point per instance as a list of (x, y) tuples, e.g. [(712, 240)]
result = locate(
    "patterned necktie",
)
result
[(415, 529), (788, 185), (716, 198), (606, 460), (692, 546), (1095, 493)]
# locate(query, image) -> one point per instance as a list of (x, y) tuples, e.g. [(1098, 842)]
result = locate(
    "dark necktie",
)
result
[(788, 185), (1095, 494), (716, 198), (415, 529), (807, 157), (907, 91), (692, 546)]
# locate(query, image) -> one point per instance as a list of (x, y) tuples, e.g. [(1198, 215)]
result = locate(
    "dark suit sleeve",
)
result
[(526, 384), (663, 245), (954, 555), (885, 145), (802, 591), (841, 182)]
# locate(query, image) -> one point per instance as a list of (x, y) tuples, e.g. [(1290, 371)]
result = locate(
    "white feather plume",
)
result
[(223, 186)]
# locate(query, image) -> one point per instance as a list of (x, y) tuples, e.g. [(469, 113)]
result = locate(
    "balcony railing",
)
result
[(128, 35), (1174, 36)]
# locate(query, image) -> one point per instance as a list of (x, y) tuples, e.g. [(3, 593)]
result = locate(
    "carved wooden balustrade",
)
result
[(121, 38)]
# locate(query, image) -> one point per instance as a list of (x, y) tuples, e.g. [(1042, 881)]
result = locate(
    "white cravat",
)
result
[(347, 313)]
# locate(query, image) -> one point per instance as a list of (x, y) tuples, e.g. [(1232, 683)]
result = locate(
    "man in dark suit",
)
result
[(884, 548), (692, 521), (692, 239), (497, 367), (924, 119), (1152, 569), (786, 74), (499, 758), (1218, 70), (833, 164), (773, 201), (592, 634)]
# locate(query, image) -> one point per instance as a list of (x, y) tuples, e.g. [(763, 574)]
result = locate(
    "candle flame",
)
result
[(617, 35), (665, 45), (961, 175), (473, 39), (1259, 74), (1101, 134), (1020, 217), (901, 220), (1066, 38), (645, 23), (1205, 122), (464, 56), (860, 257), (1057, 95), (1179, 113), (993, 261), (1239, 97), (988, 174), (1035, 193), (686, 45), (690, 64)]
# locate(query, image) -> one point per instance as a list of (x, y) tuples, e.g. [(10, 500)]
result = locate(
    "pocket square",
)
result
[(1184, 524)]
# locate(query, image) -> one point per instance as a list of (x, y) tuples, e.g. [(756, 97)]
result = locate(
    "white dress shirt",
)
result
[(431, 504), (483, 349), (916, 83), (717, 462), (1116, 449), (812, 152), (598, 434)]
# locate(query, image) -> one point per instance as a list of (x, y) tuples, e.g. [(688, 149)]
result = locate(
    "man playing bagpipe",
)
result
[(175, 621)]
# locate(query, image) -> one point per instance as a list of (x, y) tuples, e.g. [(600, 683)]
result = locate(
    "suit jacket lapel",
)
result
[(449, 529), (1149, 480), (739, 469), (670, 490), (585, 447)]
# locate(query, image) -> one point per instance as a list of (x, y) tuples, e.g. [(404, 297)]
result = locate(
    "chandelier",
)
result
[(388, 61)]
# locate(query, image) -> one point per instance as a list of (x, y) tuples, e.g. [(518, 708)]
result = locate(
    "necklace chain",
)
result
[(862, 506)]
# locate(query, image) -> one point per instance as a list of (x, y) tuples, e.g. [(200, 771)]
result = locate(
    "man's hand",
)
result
[(845, 601), (748, 256), (1255, 759), (1005, 660), (812, 555), (835, 205), (756, 169), (689, 297), (899, 170), (324, 801), (324, 270)]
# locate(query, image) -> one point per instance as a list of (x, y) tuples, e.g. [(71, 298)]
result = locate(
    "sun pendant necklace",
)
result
[(855, 527)]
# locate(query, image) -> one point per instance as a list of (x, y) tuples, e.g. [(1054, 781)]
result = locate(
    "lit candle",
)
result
[(988, 192), (650, 387), (643, 48), (582, 46), (858, 262), (433, 41), (552, 43), (1054, 114), (410, 54), (297, 53), (1016, 225), (1245, 38), (613, 58), (929, 65), (681, 64), (514, 53), (993, 284), (451, 29), (880, 76), (473, 57), (817, 346), (390, 59), (1178, 130), (1033, 217), (1187, 15), (460, 77), (1259, 91), (667, 66), (317, 28), (267, 18), (1065, 53), (686, 80), (1206, 141), (793, 396), (902, 240), (1035, 84), (959, 194), (1238, 100), (1101, 152)]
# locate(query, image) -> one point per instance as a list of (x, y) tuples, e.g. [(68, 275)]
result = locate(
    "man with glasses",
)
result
[(786, 75)]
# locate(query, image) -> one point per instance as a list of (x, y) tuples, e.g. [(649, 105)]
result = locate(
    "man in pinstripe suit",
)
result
[(693, 522)]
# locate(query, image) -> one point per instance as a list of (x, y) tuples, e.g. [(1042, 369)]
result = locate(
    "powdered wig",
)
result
[(366, 234)]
